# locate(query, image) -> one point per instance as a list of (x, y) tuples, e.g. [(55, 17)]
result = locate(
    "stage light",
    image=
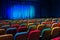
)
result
[(21, 12)]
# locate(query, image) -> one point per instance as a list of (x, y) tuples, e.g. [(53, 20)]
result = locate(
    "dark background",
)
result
[(44, 8)]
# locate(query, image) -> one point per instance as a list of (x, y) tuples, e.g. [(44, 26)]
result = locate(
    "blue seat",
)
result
[(20, 36), (5, 27), (44, 31), (11, 31), (46, 34)]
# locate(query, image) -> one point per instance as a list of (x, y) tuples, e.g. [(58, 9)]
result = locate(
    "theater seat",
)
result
[(21, 36), (47, 34), (33, 27), (59, 24), (5, 27), (6, 37), (54, 25), (2, 31), (40, 27), (55, 32), (5, 23), (47, 24), (24, 24), (30, 29), (15, 25), (30, 24), (56, 38), (45, 30), (22, 29), (11, 31), (34, 35)]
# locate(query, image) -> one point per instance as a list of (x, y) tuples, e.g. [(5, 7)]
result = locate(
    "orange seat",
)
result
[(2, 31), (6, 37)]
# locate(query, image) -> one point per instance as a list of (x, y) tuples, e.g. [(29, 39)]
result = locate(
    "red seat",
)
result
[(57, 38), (34, 35), (15, 25), (59, 24), (22, 29), (48, 24), (4, 23)]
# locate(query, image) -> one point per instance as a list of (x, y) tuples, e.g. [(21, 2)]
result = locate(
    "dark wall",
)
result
[(50, 8)]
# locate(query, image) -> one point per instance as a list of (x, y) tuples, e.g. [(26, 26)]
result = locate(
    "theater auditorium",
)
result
[(29, 19)]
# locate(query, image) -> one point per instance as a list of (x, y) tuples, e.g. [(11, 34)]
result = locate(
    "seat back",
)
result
[(34, 35), (40, 27), (11, 31), (54, 25), (55, 32), (5, 27), (59, 24), (22, 29), (48, 24), (20, 36), (56, 38), (47, 34), (6, 37), (44, 31), (23, 24), (30, 29), (2, 31), (15, 25), (33, 27)]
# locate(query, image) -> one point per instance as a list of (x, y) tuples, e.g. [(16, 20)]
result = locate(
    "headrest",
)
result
[(5, 27), (11, 28), (34, 31), (18, 34)]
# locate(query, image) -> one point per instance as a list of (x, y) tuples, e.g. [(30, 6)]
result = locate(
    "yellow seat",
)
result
[(40, 27), (55, 31), (30, 23)]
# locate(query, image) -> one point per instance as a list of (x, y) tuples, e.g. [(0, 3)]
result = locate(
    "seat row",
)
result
[(13, 35), (46, 32)]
